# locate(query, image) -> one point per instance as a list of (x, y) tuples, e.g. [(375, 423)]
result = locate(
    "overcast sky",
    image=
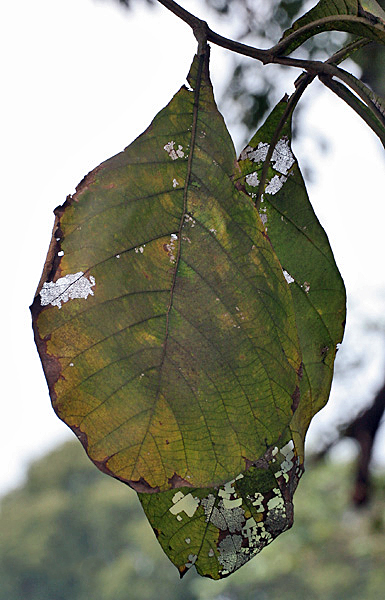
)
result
[(81, 80)]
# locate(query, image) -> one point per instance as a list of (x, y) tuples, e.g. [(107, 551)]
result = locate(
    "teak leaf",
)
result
[(163, 319), (306, 257), (366, 19), (219, 529)]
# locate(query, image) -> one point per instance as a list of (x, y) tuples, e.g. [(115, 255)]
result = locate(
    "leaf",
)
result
[(306, 257), (219, 529), (360, 18), (163, 320)]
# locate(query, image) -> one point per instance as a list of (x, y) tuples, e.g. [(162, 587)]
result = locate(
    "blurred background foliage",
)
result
[(72, 533)]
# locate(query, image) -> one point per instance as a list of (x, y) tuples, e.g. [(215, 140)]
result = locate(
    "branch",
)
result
[(283, 44), (198, 24), (364, 429), (269, 56), (326, 71)]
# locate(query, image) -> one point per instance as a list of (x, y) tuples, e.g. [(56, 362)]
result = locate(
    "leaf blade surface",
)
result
[(303, 249), (180, 364)]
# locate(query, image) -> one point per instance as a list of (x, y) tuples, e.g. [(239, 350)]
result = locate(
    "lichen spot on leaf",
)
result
[(182, 503), (173, 152), (69, 287)]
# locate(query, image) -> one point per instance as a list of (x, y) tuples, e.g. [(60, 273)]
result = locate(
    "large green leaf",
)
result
[(359, 17), (219, 529), (163, 319), (306, 257)]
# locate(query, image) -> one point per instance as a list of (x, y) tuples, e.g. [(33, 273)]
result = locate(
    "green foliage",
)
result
[(173, 368), (70, 533), (249, 512), (304, 252), (190, 307)]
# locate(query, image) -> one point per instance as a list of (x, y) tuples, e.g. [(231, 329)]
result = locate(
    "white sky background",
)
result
[(80, 80)]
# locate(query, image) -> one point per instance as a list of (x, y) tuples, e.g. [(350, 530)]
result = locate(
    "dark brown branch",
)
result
[(364, 429), (327, 69), (281, 46), (196, 23)]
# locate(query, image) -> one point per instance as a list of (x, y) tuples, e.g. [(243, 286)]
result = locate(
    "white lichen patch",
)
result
[(256, 501), (188, 541), (288, 450), (117, 255), (172, 247), (61, 253), (227, 492), (252, 179), (288, 277), (230, 519), (192, 560), (256, 535), (275, 184), (306, 286), (182, 503), (256, 155), (276, 510), (140, 249), (289, 461), (188, 219), (174, 153), (69, 287), (275, 502), (213, 231), (175, 183), (282, 157), (230, 555)]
